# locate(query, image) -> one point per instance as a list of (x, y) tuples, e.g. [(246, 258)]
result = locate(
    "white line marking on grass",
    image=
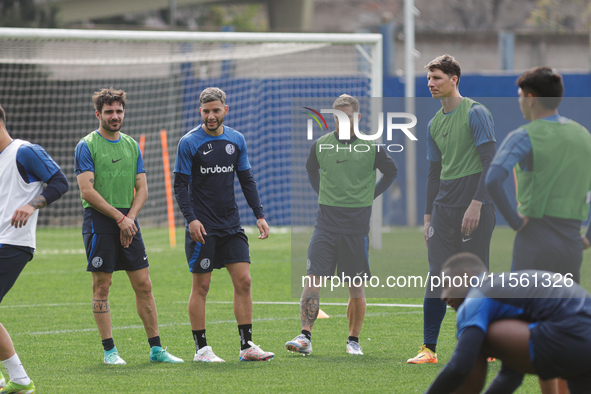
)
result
[(41, 305), (262, 319), (217, 302), (322, 303), (60, 251)]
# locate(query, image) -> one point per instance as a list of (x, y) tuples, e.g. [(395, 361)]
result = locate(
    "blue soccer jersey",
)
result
[(212, 162), (542, 298)]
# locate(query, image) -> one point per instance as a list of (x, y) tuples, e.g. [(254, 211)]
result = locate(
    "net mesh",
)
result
[(47, 87)]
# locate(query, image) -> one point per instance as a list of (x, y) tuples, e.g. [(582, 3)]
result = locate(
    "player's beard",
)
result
[(218, 123), (107, 126)]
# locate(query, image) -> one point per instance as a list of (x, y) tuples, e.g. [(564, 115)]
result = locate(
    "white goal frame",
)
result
[(374, 58)]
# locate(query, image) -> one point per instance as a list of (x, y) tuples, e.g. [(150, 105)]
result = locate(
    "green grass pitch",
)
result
[(48, 313)]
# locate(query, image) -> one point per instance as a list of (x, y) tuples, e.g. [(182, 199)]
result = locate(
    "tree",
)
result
[(557, 15)]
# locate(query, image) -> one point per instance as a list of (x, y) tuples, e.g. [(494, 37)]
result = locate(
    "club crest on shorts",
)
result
[(230, 149), (97, 262), (308, 264), (205, 263), (431, 231)]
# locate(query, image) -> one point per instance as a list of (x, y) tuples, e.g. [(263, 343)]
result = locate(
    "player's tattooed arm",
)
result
[(22, 214), (309, 307), (100, 306), (38, 202)]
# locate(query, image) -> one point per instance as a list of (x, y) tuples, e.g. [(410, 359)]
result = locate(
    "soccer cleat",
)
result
[(159, 355), (354, 348), (255, 353), (14, 388), (112, 357), (425, 356), (299, 344), (207, 355), (2, 381)]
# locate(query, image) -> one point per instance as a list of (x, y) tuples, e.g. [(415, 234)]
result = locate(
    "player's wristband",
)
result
[(124, 216)]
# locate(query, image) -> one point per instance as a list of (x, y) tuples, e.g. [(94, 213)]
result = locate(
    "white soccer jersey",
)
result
[(14, 193)]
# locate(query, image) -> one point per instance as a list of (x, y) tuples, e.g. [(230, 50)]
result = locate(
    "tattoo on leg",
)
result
[(38, 202), (309, 310), (100, 306)]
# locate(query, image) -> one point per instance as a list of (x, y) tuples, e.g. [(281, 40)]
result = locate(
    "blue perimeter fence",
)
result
[(271, 153)]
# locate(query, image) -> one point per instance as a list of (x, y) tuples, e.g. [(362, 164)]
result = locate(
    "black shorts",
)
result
[(446, 238), (105, 253), (563, 349), (12, 261), (216, 252), (346, 253), (549, 244)]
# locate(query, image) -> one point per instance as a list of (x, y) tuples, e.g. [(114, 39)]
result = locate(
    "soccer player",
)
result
[(24, 168), (532, 327), (550, 158), (345, 179), (208, 159), (459, 215), (109, 167)]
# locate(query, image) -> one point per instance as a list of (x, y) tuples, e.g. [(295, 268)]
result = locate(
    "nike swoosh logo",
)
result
[(207, 152), (359, 273), (115, 161), (341, 161), (445, 135), (466, 239), (146, 258)]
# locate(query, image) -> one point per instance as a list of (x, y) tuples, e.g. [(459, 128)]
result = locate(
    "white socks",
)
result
[(16, 371)]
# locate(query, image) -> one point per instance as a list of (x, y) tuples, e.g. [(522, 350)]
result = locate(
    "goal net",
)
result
[(48, 78)]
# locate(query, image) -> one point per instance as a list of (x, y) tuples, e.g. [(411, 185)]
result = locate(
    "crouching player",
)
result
[(531, 327)]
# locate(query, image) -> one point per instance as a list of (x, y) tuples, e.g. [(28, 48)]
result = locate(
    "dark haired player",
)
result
[(550, 156), (459, 215), (109, 168), (533, 328), (208, 159), (550, 159)]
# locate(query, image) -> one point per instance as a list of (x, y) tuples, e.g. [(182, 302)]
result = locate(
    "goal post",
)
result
[(48, 77)]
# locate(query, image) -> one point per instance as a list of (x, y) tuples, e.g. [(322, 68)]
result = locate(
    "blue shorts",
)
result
[(105, 253), (216, 252), (345, 253), (563, 349), (12, 261)]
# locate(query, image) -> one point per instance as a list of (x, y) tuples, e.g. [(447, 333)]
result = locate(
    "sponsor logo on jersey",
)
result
[(217, 169), (230, 149), (205, 263), (97, 262)]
